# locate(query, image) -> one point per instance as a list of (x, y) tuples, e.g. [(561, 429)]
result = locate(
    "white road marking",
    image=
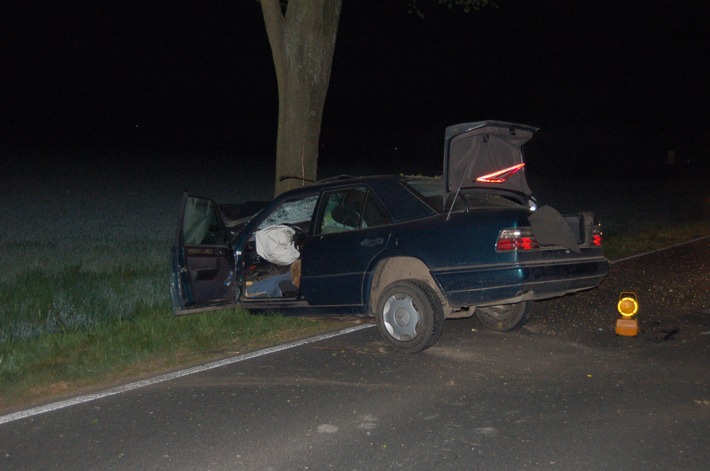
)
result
[(174, 375)]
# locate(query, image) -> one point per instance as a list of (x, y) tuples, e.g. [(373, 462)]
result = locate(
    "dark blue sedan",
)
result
[(410, 251)]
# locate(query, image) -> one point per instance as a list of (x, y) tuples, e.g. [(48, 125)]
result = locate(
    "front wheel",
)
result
[(410, 315), (505, 316)]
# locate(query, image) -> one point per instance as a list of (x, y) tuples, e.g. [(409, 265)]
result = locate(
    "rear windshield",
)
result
[(431, 191), (477, 200)]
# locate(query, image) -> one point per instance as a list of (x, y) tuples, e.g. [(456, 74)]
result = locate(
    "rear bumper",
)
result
[(524, 281)]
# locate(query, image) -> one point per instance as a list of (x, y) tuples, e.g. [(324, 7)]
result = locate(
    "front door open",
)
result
[(202, 260)]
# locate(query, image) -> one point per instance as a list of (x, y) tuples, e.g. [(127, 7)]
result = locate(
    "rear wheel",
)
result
[(410, 315), (505, 316)]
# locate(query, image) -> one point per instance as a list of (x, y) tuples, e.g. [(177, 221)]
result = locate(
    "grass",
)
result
[(68, 360), (84, 287), (623, 245), (61, 331)]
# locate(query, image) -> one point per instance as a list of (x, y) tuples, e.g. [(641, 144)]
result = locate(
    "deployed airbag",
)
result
[(275, 244)]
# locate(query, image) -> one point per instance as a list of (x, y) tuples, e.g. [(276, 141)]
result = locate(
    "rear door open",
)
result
[(203, 265)]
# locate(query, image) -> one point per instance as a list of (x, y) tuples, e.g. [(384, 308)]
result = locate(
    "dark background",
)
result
[(613, 85)]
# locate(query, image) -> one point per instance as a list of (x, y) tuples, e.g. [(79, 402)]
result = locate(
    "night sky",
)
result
[(606, 81)]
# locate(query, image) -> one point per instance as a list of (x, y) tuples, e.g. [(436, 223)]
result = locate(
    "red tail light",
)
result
[(516, 239), (596, 237)]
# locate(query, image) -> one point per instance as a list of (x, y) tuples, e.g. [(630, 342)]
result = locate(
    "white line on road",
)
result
[(175, 374)]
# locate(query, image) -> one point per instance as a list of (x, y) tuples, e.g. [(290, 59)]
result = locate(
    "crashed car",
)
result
[(409, 251)]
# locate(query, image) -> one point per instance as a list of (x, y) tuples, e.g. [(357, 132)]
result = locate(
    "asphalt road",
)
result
[(562, 393)]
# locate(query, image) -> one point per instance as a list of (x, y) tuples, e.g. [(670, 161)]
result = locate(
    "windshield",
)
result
[(480, 200), (296, 212), (236, 216)]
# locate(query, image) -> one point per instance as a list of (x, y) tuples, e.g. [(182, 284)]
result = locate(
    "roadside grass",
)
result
[(67, 330), (84, 296), (618, 246), (69, 360)]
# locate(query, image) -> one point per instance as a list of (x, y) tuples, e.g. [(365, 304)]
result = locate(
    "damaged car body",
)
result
[(410, 251)]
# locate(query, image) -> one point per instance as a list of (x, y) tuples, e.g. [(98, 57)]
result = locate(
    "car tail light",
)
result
[(516, 239), (596, 237)]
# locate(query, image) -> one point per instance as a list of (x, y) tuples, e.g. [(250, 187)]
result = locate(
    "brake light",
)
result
[(516, 239), (501, 175), (596, 237)]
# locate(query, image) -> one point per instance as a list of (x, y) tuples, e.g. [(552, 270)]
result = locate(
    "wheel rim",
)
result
[(401, 317)]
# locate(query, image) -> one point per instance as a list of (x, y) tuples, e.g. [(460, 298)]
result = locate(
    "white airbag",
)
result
[(275, 244)]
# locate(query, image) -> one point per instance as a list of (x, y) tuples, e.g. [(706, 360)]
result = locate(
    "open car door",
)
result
[(203, 265)]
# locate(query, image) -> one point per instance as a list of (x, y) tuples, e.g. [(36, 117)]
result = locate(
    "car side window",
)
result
[(373, 215), (201, 224), (347, 210)]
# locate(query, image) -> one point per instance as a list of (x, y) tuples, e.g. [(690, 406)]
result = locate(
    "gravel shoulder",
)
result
[(673, 290)]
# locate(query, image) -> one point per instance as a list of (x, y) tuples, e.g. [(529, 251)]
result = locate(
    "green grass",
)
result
[(67, 330), (62, 330), (622, 245), (148, 341)]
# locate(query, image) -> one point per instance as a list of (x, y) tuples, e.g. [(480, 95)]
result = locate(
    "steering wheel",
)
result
[(300, 232), (299, 237)]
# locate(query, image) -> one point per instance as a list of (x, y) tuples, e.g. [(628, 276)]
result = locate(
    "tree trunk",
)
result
[(302, 44)]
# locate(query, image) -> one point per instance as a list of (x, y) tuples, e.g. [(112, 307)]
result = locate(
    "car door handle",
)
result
[(372, 242)]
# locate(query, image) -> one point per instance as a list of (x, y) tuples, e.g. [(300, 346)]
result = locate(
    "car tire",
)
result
[(504, 317), (410, 315)]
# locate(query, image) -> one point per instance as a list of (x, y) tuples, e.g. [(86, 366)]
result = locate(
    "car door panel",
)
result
[(202, 269), (351, 230), (334, 265)]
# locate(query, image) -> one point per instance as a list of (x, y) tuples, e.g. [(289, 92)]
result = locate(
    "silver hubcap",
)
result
[(401, 317)]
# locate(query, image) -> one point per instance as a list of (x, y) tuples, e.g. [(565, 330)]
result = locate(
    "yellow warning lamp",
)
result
[(627, 306)]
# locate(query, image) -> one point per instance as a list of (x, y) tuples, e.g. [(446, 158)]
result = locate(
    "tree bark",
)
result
[(302, 43)]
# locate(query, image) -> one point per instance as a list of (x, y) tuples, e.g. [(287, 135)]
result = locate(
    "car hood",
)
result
[(486, 154)]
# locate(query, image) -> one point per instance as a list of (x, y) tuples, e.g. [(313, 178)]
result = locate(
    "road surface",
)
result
[(562, 393)]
